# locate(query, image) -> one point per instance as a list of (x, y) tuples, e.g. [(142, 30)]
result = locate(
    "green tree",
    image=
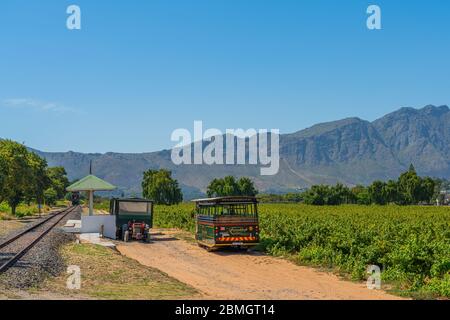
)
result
[(293, 197), (428, 186), (361, 195), (409, 187), (40, 180), (376, 193), (390, 192), (159, 186), (317, 195), (17, 175), (3, 172), (328, 195), (339, 194), (50, 196), (58, 180), (215, 188), (247, 187), (229, 186)]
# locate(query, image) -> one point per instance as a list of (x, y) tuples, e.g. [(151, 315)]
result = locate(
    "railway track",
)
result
[(11, 250)]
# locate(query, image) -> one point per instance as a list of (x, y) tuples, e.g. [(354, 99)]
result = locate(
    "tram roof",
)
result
[(132, 200), (227, 200)]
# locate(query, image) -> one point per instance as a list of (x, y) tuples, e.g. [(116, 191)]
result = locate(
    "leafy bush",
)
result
[(50, 196), (22, 210)]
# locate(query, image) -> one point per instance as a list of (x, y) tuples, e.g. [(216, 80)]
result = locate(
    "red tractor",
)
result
[(134, 218), (137, 231)]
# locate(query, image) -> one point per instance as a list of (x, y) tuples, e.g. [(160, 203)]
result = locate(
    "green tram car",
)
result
[(134, 218), (227, 222)]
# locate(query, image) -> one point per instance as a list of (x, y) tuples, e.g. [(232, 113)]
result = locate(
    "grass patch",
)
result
[(105, 274), (62, 203), (101, 204)]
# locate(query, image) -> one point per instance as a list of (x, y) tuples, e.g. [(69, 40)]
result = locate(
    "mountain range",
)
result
[(351, 151)]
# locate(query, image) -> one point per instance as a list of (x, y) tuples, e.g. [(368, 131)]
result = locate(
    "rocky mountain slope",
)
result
[(351, 151)]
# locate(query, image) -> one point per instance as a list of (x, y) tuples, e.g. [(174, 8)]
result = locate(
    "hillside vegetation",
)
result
[(411, 244), (109, 275)]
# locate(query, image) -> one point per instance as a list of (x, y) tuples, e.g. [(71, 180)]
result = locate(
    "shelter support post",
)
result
[(91, 202)]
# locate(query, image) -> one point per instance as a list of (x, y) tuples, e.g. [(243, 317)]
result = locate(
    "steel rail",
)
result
[(22, 252)]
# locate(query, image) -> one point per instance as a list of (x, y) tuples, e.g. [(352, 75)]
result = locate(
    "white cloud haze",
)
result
[(36, 105)]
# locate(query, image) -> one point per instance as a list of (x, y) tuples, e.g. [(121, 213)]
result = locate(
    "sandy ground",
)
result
[(239, 275)]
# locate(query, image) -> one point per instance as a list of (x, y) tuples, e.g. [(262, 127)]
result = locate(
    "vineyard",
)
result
[(410, 244)]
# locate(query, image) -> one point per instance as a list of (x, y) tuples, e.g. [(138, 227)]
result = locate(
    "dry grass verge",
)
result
[(105, 274), (8, 226)]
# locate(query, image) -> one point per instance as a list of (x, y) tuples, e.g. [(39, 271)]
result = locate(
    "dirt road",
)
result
[(238, 275)]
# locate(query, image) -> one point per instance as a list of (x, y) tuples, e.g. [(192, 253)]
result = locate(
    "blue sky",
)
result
[(140, 69)]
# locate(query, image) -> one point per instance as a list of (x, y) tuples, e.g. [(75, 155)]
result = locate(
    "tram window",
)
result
[(243, 209)]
